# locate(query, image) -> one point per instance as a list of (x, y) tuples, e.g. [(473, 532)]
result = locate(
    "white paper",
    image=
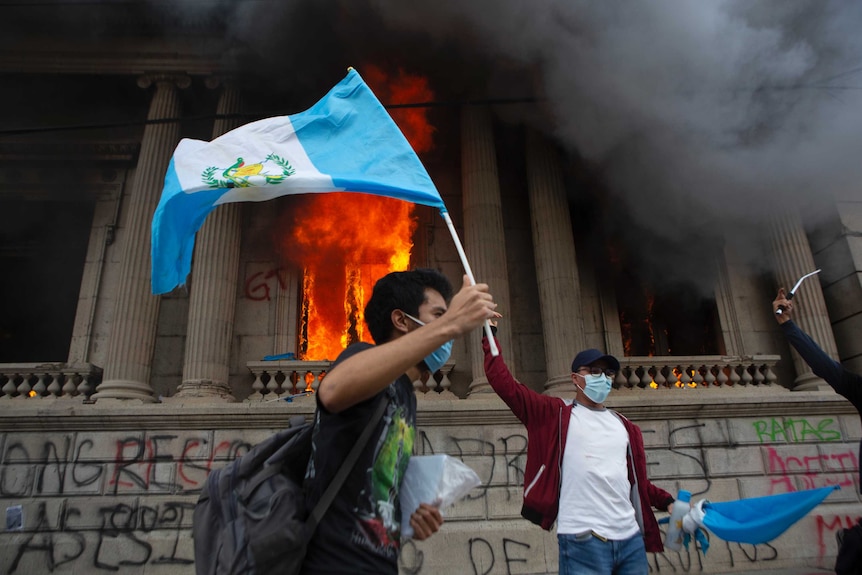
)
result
[(436, 479)]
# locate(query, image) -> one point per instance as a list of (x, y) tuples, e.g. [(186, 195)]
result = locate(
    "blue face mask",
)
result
[(597, 387), (435, 360)]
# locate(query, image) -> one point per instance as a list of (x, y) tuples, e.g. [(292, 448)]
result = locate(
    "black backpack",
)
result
[(250, 518)]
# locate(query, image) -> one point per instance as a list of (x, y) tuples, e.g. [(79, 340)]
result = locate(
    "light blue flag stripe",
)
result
[(349, 135), (761, 519), (174, 226), (345, 142)]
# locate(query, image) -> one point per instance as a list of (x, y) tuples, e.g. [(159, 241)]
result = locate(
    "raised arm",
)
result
[(365, 374), (842, 381), (523, 401)]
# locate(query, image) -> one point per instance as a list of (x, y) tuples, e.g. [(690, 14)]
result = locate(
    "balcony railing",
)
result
[(48, 380), (281, 379), (701, 372), (284, 379)]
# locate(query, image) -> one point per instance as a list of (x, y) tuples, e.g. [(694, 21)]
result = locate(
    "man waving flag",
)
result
[(345, 142)]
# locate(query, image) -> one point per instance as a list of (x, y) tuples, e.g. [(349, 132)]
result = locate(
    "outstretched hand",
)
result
[(471, 306), (782, 303)]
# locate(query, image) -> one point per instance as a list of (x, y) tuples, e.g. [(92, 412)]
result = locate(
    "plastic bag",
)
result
[(436, 479)]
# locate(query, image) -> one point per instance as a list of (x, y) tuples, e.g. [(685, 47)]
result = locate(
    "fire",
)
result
[(348, 242), (344, 242), (649, 323), (629, 329)]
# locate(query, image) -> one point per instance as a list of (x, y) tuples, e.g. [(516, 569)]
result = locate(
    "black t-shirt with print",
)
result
[(361, 531)]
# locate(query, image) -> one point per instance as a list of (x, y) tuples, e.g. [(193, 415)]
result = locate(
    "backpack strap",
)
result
[(345, 469)]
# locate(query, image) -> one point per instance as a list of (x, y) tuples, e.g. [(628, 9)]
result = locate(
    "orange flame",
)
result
[(649, 322), (344, 242)]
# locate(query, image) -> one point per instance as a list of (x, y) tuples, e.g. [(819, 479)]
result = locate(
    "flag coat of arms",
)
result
[(345, 142)]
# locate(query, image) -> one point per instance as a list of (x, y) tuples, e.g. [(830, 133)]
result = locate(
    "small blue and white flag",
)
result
[(345, 142), (754, 520)]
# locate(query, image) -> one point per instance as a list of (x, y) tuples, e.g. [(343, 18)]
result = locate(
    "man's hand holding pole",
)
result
[(782, 307)]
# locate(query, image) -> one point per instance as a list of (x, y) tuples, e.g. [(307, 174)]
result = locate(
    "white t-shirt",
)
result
[(595, 492)]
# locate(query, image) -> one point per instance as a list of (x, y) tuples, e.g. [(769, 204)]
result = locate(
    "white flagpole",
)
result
[(493, 344)]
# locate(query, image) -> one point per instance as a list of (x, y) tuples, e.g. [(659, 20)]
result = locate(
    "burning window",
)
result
[(668, 321), (342, 243), (666, 300)]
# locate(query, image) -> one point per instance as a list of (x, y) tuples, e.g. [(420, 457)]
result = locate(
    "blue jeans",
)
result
[(588, 555)]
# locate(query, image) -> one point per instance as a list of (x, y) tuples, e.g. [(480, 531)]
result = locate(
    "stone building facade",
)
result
[(115, 404)]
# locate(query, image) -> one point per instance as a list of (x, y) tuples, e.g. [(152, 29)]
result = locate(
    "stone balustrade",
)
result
[(281, 379), (48, 380), (438, 385), (702, 372)]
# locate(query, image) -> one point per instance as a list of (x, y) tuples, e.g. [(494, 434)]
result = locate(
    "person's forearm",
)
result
[(821, 364), (500, 378), (522, 400), (659, 498), (367, 373)]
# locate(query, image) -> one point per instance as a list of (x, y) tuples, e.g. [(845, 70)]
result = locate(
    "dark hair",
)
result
[(404, 291)]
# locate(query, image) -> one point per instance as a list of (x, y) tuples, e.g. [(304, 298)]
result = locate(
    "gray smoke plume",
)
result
[(728, 104), (700, 117), (719, 108)]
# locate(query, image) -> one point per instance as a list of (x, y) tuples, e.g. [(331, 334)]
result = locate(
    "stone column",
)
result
[(133, 328), (484, 238), (212, 298), (726, 305), (556, 264), (793, 259)]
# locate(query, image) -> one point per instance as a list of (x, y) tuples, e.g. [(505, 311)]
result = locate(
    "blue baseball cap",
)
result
[(590, 356)]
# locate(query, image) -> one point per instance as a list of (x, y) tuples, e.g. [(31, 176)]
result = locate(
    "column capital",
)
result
[(181, 81), (216, 81)]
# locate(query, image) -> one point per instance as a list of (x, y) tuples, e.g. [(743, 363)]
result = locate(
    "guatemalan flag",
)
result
[(345, 142), (753, 520)]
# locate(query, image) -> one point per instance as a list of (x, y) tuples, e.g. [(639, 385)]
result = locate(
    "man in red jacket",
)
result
[(586, 470)]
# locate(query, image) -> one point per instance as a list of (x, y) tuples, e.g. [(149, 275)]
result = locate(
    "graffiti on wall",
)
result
[(132, 507), (259, 285), (812, 471), (120, 540), (139, 463), (796, 430), (104, 529)]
